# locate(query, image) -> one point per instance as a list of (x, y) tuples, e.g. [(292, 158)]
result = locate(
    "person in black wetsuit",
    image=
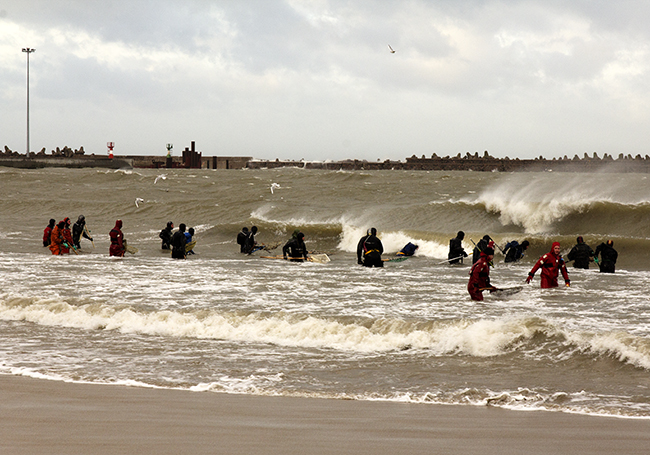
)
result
[(178, 243), (456, 251), (608, 257), (250, 244), (78, 230), (241, 239), (369, 250), (166, 235), (480, 246), (581, 254), (515, 251), (295, 248)]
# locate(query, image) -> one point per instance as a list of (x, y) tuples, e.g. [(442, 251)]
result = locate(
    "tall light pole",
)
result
[(28, 50)]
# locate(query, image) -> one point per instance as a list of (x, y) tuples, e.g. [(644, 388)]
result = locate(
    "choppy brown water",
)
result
[(222, 321)]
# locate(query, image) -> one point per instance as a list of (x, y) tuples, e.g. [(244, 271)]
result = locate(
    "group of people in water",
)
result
[(552, 264), (294, 250), (177, 241), (60, 239)]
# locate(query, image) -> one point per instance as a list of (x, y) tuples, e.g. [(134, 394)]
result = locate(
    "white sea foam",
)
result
[(392, 242), (262, 214), (480, 338), (537, 203), (532, 209), (621, 345), (253, 384)]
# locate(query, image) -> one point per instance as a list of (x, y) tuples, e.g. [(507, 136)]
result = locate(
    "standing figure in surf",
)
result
[(295, 248), (608, 257), (241, 239), (581, 254), (66, 234), (178, 243), (370, 249), (47, 232), (250, 244), (480, 246), (456, 251), (56, 238), (189, 235), (117, 247), (166, 235), (551, 264), (78, 230), (479, 275)]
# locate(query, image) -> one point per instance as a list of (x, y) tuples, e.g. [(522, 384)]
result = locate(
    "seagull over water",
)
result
[(391, 49)]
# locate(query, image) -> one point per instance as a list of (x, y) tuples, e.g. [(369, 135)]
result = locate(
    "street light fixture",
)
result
[(28, 51)]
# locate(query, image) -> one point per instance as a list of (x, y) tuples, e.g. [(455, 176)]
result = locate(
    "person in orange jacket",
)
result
[(551, 263), (117, 240), (56, 238)]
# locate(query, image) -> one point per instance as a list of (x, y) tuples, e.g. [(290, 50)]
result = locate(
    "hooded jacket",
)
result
[(78, 229), (456, 251), (580, 254), (295, 248), (608, 257), (66, 235), (480, 246), (57, 238), (551, 264), (166, 236), (241, 239), (47, 232), (370, 249), (479, 275), (117, 240)]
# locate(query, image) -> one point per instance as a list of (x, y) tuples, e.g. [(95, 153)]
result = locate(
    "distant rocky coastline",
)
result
[(191, 159), (65, 157), (484, 163)]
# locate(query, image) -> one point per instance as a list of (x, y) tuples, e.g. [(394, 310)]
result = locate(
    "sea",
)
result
[(225, 322)]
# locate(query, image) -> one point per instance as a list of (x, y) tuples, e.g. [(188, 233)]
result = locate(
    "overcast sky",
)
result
[(315, 79)]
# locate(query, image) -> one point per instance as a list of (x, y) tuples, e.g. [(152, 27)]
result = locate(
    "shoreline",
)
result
[(43, 416)]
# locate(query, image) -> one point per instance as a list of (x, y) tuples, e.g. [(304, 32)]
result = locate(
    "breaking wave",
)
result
[(478, 338)]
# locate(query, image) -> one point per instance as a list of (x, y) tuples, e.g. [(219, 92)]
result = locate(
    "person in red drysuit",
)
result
[(551, 263), (56, 239), (47, 232), (479, 275), (66, 235), (117, 240)]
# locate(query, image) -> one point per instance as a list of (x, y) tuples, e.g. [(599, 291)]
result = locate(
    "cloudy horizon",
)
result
[(317, 80)]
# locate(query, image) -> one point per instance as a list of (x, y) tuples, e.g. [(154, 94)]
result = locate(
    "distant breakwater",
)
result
[(485, 163), (192, 159)]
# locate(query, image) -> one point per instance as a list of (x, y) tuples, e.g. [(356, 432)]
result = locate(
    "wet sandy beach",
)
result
[(48, 417)]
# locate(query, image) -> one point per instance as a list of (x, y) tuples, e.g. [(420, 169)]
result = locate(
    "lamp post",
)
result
[(28, 50)]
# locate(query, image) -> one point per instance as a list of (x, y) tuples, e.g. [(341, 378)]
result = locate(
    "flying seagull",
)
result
[(391, 49), (138, 200)]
